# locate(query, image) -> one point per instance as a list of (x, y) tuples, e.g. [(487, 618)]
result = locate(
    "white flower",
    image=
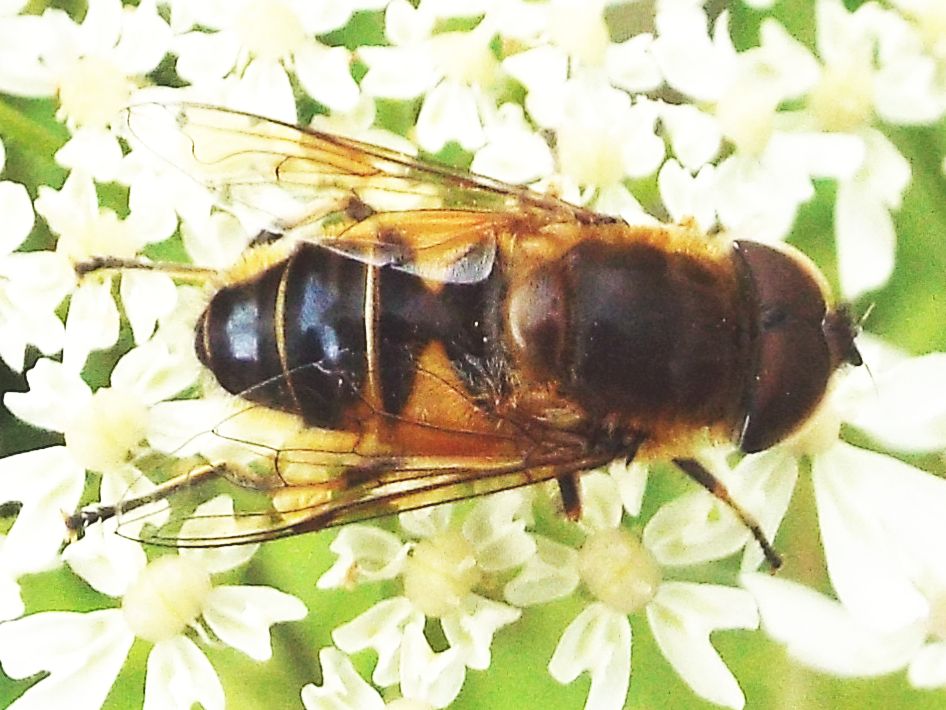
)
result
[(881, 520), (866, 71), (572, 41), (867, 67), (32, 285), (758, 189), (602, 136), (900, 416), (45, 482), (624, 578), (434, 679), (342, 688), (451, 70), (820, 633), (91, 67), (85, 229), (104, 429), (269, 38), (440, 570), (83, 653), (513, 152)]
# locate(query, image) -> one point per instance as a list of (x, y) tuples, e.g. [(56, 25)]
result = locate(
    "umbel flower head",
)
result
[(819, 126)]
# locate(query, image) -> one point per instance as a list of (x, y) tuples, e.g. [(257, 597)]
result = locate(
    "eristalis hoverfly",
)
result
[(447, 335)]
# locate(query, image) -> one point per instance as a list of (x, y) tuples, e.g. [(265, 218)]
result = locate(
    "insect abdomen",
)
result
[(296, 337)]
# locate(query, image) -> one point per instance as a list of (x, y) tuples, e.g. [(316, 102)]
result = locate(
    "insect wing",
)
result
[(365, 201), (412, 483), (309, 479)]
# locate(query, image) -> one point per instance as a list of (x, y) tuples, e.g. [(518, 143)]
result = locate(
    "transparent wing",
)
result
[(369, 202), (385, 486), (380, 464)]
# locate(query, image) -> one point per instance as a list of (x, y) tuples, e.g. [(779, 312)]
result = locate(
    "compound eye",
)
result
[(792, 360)]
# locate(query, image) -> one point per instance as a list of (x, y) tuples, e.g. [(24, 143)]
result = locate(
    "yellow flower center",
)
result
[(167, 597), (580, 30), (746, 116), (108, 430), (617, 569), (439, 573), (269, 30), (465, 57), (92, 92), (843, 98)]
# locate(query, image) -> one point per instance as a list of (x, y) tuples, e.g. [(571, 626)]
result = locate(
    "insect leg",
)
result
[(114, 263), (571, 496), (78, 522), (700, 474), (624, 445)]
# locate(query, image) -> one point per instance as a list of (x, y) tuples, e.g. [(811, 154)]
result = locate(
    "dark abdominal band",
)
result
[(314, 303)]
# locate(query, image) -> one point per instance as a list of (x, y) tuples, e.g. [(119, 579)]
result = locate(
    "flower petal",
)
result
[(426, 522), (597, 641), (820, 633), (92, 323), (11, 601), (94, 151), (552, 573), (867, 503), (496, 529), (682, 616), (146, 296), (365, 554), (241, 616), (205, 56), (898, 412), (325, 75), (179, 675), (449, 114), (694, 135), (601, 507), (82, 652), (382, 628), (342, 688), (18, 216), (56, 397), (928, 667), (109, 562), (694, 528), (214, 520), (47, 482), (431, 678), (470, 629), (688, 196), (866, 239)]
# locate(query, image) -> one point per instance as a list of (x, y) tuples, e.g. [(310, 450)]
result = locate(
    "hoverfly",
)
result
[(451, 335)]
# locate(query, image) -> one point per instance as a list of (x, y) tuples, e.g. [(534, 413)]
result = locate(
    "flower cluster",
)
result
[(745, 121)]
